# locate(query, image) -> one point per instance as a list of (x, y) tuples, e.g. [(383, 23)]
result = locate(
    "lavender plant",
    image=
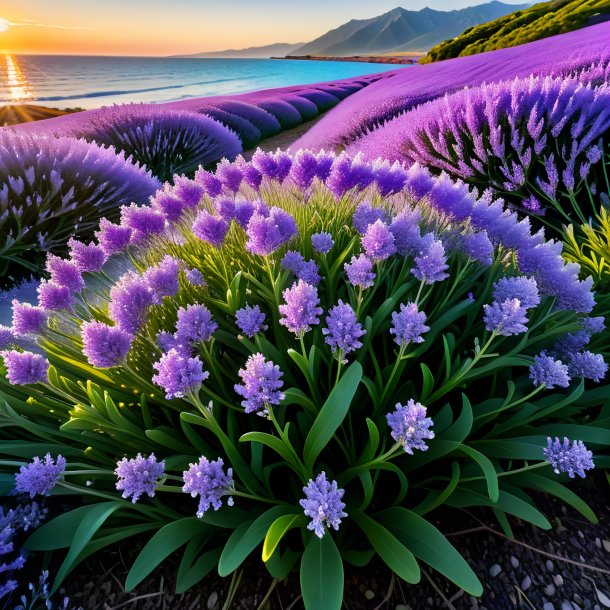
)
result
[(167, 142), (55, 188), (361, 345)]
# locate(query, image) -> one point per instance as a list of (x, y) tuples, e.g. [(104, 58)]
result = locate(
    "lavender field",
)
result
[(306, 335)]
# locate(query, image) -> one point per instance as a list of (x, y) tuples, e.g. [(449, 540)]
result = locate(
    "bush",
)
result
[(167, 142), (55, 188), (267, 124), (310, 356), (323, 100), (287, 115), (249, 135), (530, 140)]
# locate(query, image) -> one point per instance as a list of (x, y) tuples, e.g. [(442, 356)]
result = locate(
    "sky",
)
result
[(167, 27)]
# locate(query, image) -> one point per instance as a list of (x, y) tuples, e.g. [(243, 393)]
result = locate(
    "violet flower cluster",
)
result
[(40, 476), (260, 385), (410, 427), (322, 504), (208, 480), (138, 476), (573, 458)]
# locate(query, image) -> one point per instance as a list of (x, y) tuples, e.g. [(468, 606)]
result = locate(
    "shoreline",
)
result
[(368, 59)]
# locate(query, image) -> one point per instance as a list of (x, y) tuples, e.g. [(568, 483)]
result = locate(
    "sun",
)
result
[(4, 24)]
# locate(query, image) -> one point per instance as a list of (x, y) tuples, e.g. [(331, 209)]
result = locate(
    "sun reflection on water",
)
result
[(16, 83)]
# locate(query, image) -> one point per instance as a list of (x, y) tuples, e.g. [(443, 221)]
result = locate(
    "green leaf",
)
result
[(273, 442), (191, 570), (428, 544), (391, 550), (279, 528), (88, 526), (332, 414), (463, 425), (322, 574), (428, 384), (168, 539), (245, 539), (373, 441), (488, 471)]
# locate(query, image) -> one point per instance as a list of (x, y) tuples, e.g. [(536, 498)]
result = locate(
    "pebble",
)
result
[(606, 544), (549, 590), (212, 600), (549, 565), (403, 607), (369, 594), (495, 570), (558, 580), (526, 583), (514, 561), (598, 543)]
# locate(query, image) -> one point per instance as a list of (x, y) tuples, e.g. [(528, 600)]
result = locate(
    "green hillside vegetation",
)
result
[(539, 21)]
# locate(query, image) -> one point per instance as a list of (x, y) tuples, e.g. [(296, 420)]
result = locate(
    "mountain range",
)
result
[(397, 31)]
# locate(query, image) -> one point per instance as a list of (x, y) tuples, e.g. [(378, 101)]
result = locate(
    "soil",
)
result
[(566, 568), (24, 113)]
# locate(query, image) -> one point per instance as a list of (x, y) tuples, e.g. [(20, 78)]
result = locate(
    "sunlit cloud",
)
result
[(5, 25)]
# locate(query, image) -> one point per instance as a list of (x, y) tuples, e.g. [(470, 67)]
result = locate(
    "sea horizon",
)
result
[(91, 81)]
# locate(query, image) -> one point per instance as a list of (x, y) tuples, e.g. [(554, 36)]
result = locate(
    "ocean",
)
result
[(90, 82)]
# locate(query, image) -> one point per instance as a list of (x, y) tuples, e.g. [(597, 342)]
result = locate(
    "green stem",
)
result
[(509, 472)]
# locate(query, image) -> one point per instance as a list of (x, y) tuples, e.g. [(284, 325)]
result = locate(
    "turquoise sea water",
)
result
[(90, 82)]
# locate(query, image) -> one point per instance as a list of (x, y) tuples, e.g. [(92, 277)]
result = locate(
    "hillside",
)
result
[(269, 50), (402, 30), (523, 26)]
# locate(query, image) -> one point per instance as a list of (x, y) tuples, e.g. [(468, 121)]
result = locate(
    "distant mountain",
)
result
[(401, 30), (522, 26), (278, 49)]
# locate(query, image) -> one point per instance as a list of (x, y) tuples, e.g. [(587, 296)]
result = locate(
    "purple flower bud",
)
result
[(322, 503), (143, 221), (406, 232), (39, 477), (104, 346), (250, 320), (195, 324), (25, 368), (408, 325), (64, 273), (587, 365), (365, 215), (27, 319), (129, 302), (293, 261), (54, 297), (410, 427), (210, 228), (178, 374), (523, 288), (230, 175), (506, 318), (261, 385), (431, 266), (195, 277), (211, 185), (378, 241), (267, 234), (309, 272), (162, 279), (88, 258), (226, 208), (138, 476), (301, 309), (113, 238), (479, 247), (343, 331), (243, 212), (7, 337), (572, 458), (322, 242), (550, 372), (359, 272), (208, 481)]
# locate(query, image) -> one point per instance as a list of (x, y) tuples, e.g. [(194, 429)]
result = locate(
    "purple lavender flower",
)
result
[(378, 241), (138, 476), (267, 234), (104, 346), (301, 310), (129, 302), (54, 297), (243, 212), (304, 169), (195, 277), (250, 320), (64, 273), (7, 337), (365, 214), (230, 175), (343, 330), (143, 221), (274, 166), (88, 258), (389, 179), (292, 261), (322, 503), (431, 266), (410, 427), (162, 279), (208, 481), (576, 342), (27, 319), (261, 385), (226, 208), (39, 477), (550, 372), (169, 205), (309, 272), (523, 288), (178, 374), (587, 365), (359, 272), (479, 247), (113, 238), (322, 242), (209, 182), (407, 233), (506, 318), (188, 191), (25, 368), (195, 324), (408, 325), (210, 228), (572, 458)]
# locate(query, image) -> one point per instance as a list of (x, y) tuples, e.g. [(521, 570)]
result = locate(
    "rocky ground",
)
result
[(566, 568)]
